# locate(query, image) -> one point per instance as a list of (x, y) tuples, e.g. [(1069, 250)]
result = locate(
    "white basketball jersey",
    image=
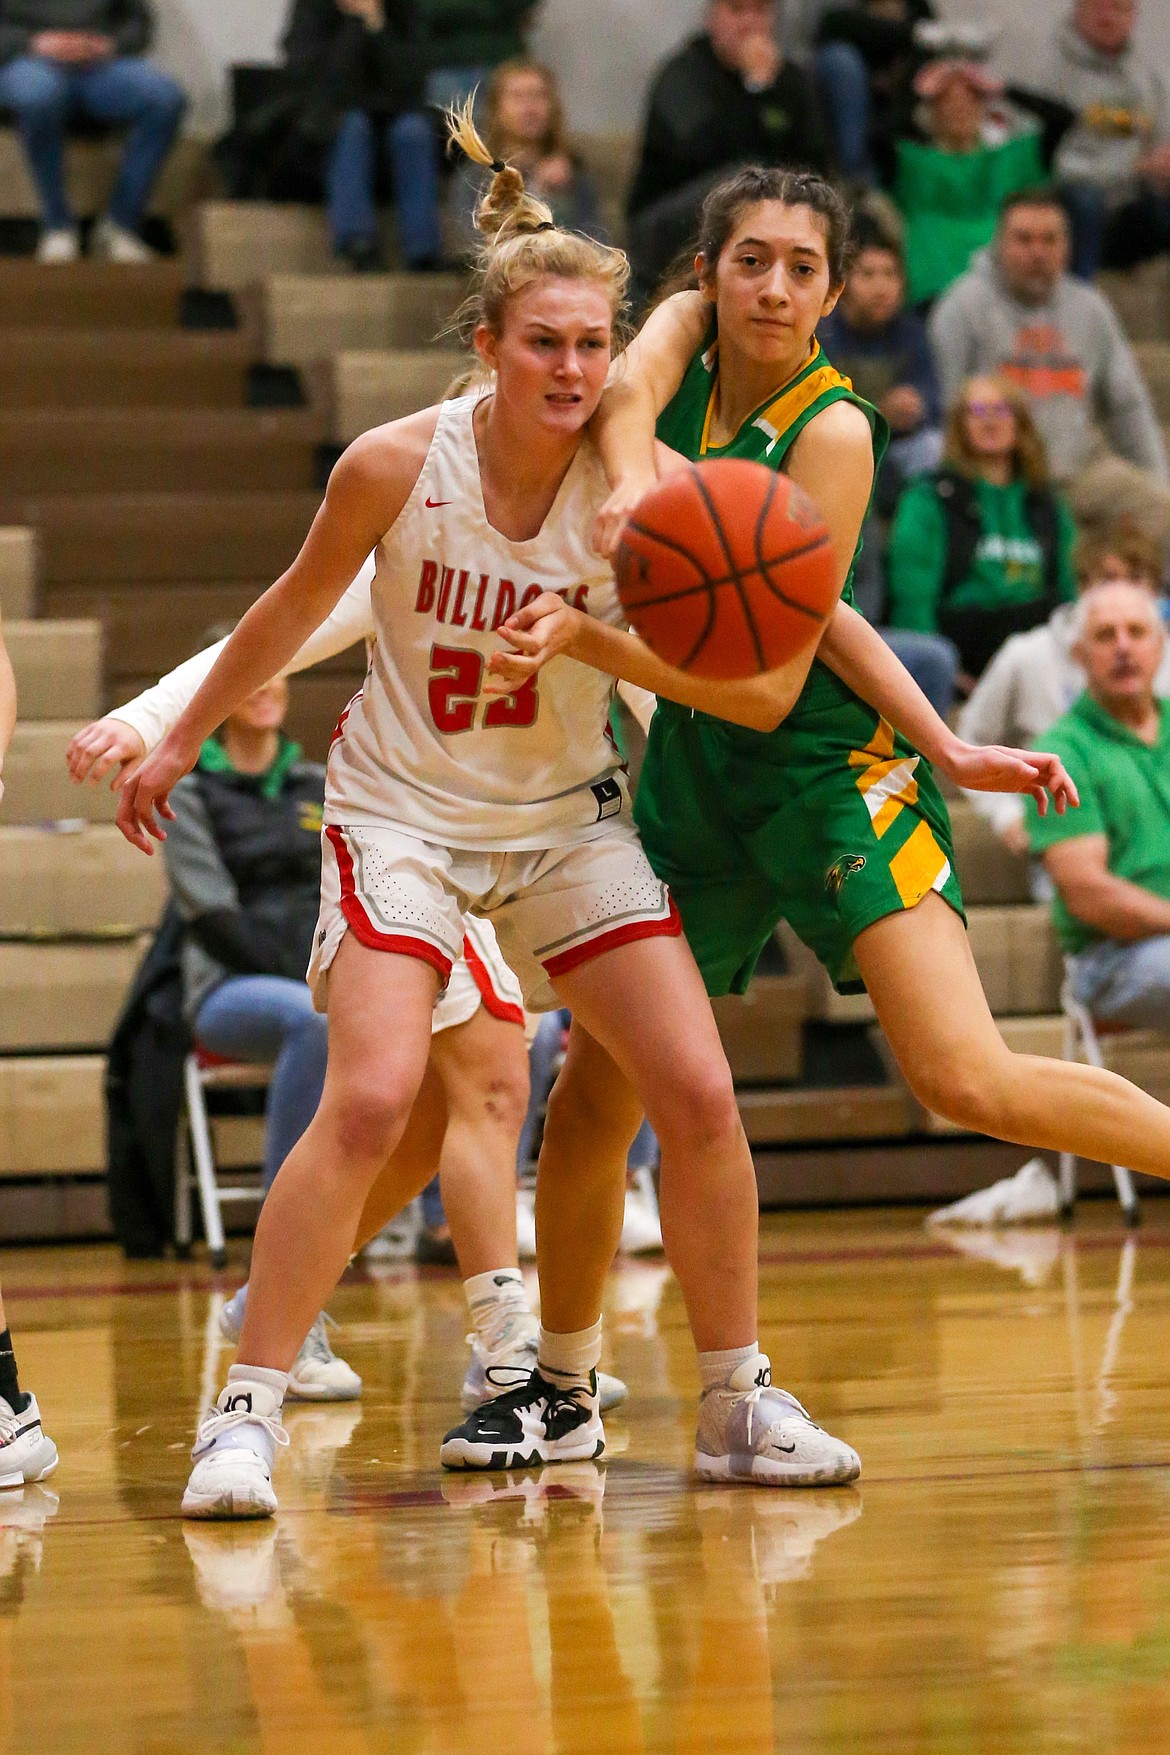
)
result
[(422, 746)]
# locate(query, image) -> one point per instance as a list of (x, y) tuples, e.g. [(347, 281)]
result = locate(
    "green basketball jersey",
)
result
[(831, 821), (768, 434)]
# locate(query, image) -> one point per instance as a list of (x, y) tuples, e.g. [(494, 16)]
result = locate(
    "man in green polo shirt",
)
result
[(1110, 860)]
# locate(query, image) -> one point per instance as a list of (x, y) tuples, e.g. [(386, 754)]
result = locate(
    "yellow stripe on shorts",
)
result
[(919, 866), (887, 782)]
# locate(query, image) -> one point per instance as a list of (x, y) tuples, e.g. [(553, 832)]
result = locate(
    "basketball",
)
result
[(726, 569)]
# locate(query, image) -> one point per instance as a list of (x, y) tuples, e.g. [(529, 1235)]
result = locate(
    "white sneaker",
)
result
[(62, 244), (317, 1374), (749, 1431), (641, 1227), (526, 1223), (26, 1454), (113, 243), (490, 1374), (235, 1479)]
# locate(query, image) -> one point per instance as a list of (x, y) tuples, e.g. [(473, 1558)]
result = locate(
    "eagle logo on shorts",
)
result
[(840, 870)]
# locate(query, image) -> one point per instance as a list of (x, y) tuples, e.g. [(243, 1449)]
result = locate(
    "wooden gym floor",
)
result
[(999, 1582)]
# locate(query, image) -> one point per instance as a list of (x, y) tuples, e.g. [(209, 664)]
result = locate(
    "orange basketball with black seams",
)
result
[(726, 569)]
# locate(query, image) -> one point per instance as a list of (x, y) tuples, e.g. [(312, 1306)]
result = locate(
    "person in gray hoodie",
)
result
[(1018, 311), (1113, 159)]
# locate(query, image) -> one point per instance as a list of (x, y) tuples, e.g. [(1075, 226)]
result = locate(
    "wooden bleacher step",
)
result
[(119, 539), (77, 882), (123, 368), (307, 318), (90, 295), (18, 571), (58, 667), (365, 389), (146, 450)]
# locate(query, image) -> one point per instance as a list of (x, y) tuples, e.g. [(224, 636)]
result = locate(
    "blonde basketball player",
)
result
[(467, 1117), (445, 799)]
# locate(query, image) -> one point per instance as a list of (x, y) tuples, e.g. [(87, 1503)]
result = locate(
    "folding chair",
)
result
[(1082, 1041), (195, 1160)]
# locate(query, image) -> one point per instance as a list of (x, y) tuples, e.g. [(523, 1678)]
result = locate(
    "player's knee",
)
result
[(701, 1111), (580, 1107), (500, 1094), (965, 1090), (367, 1123)]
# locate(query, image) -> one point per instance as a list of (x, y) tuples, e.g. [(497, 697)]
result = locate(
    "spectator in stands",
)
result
[(524, 124), (244, 861), (950, 186), (60, 58), (727, 97), (866, 57), (1035, 677), (982, 548), (1110, 860), (464, 40), (1113, 157), (884, 349), (355, 71), (1019, 312)]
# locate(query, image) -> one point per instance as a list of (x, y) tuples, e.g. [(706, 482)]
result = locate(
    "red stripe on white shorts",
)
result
[(499, 1007), (402, 943), (669, 927)]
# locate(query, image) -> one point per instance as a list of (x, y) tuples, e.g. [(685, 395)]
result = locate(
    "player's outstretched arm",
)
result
[(642, 381), (366, 492), (863, 661), (7, 705), (548, 629), (124, 736)]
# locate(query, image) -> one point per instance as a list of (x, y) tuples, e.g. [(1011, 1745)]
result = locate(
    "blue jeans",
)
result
[(844, 79), (932, 661), (268, 1019), (42, 94), (1126, 983), (413, 156)]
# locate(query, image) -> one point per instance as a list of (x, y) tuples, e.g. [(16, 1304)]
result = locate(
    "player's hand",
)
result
[(993, 767), (541, 630), (611, 519), (105, 746), (147, 791)]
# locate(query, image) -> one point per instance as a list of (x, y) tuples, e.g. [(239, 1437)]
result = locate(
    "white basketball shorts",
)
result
[(551, 910)]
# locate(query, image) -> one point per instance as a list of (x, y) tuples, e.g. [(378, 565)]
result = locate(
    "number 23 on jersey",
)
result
[(453, 692)]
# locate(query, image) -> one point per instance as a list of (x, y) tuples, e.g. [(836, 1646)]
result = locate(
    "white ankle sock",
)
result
[(570, 1360), (499, 1306), (717, 1368), (251, 1435)]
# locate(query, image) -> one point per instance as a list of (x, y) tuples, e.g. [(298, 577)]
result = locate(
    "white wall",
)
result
[(604, 50)]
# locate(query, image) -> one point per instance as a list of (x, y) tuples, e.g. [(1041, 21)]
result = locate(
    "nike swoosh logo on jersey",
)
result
[(433, 503)]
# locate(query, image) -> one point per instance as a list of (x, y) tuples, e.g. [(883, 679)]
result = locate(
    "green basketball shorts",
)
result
[(831, 822)]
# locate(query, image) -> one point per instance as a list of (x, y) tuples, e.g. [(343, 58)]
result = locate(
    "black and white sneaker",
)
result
[(536, 1423)]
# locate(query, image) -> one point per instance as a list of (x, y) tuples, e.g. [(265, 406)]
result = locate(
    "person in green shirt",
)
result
[(1110, 860), (982, 548), (791, 795), (951, 186)]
